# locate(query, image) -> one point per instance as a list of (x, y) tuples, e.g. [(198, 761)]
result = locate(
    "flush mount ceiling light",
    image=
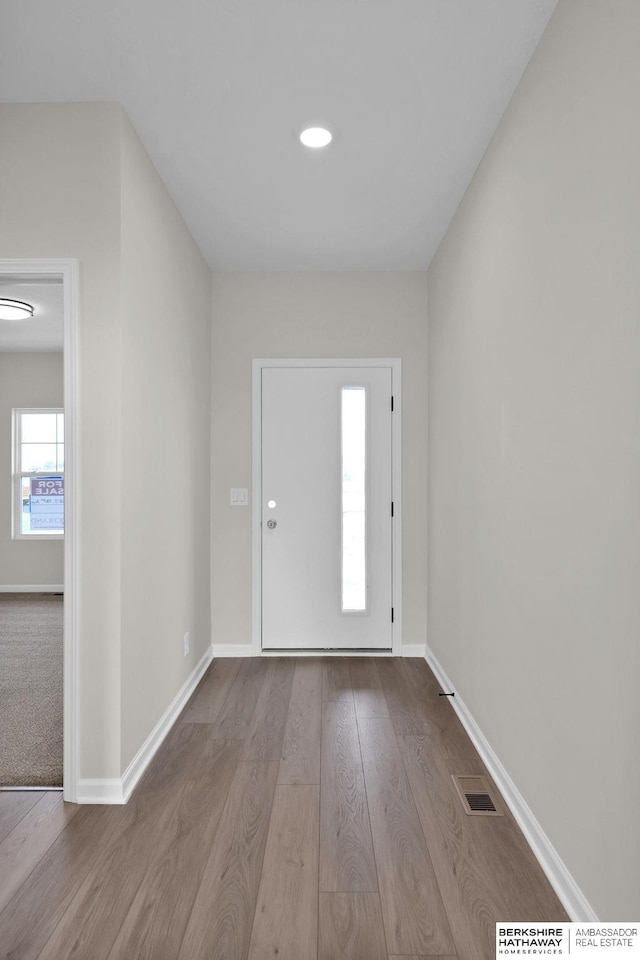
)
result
[(15, 309), (316, 137)]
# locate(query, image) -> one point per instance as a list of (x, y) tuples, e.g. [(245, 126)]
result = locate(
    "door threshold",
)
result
[(22, 789), (327, 652)]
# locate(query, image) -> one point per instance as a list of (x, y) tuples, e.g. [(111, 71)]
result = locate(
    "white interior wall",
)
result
[(60, 197), (534, 452), (166, 330), (26, 380), (310, 315), (75, 182)]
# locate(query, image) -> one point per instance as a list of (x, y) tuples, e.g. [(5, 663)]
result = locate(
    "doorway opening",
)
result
[(38, 554)]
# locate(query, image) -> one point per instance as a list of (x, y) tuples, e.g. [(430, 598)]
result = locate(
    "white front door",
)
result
[(326, 508)]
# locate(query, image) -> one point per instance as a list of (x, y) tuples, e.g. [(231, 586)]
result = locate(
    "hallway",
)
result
[(302, 808)]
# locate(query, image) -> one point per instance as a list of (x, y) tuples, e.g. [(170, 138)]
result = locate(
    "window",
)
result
[(38, 474)]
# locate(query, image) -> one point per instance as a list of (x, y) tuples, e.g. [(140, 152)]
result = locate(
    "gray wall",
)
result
[(26, 380), (310, 315), (534, 507)]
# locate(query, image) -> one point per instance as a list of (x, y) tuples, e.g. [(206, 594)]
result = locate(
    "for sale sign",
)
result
[(47, 503)]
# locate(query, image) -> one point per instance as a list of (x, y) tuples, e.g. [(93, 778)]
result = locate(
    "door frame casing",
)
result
[(69, 271), (395, 365)]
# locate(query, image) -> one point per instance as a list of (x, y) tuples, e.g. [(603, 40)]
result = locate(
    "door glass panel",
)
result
[(354, 500)]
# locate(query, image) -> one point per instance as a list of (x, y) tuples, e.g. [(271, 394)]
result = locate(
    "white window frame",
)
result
[(18, 473)]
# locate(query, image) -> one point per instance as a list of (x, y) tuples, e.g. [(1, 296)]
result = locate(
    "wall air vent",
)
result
[(477, 796)]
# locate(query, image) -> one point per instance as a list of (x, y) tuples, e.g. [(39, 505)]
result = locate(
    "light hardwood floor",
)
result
[(301, 809)]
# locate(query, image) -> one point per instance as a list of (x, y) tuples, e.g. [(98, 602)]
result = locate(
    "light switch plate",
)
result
[(239, 497)]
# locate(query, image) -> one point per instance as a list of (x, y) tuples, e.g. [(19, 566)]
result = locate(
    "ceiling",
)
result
[(44, 332), (219, 89)]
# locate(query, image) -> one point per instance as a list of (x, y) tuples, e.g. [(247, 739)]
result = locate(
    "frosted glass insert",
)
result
[(354, 500)]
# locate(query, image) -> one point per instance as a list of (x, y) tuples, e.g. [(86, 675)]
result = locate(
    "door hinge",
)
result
[(391, 614), (392, 508), (391, 404)]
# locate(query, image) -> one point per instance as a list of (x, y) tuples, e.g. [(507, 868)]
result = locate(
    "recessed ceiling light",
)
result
[(316, 137), (14, 309)]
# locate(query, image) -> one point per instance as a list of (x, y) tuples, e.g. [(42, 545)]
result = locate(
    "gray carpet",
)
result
[(31, 631)]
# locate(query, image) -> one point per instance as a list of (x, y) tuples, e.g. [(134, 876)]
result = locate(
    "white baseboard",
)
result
[(119, 791), (232, 650), (568, 891), (413, 649), (31, 588), (100, 791)]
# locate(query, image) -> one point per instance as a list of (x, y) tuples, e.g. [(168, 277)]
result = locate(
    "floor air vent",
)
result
[(477, 797)]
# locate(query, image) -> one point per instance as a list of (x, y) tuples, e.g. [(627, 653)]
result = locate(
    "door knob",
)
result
[(272, 524)]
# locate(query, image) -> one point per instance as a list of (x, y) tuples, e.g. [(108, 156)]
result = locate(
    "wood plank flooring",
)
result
[(301, 809), (347, 862)]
